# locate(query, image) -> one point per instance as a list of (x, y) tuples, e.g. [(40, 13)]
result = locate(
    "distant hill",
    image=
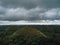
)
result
[(29, 35), (29, 31)]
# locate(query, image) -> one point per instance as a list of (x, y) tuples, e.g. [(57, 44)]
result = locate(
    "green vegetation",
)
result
[(29, 35)]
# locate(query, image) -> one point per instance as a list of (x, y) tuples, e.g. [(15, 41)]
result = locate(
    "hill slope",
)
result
[(28, 35)]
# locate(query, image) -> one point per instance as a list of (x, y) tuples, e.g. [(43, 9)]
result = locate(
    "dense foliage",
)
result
[(29, 35)]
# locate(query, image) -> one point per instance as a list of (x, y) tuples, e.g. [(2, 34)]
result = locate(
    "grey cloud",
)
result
[(2, 10), (53, 14), (22, 14), (38, 10), (50, 3), (29, 4), (32, 14)]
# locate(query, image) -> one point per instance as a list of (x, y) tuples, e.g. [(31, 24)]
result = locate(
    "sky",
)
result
[(31, 11)]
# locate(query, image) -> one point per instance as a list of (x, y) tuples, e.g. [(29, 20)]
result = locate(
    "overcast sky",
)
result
[(29, 10)]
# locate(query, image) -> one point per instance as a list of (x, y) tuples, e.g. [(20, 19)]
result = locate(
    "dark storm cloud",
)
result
[(14, 14), (29, 10), (21, 14), (2, 10), (28, 4)]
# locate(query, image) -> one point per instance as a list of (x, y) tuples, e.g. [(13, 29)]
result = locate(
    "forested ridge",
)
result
[(30, 35)]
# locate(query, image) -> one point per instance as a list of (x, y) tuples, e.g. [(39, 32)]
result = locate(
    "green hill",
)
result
[(29, 31), (28, 35)]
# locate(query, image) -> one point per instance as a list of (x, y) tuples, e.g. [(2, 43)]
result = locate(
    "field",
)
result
[(30, 35)]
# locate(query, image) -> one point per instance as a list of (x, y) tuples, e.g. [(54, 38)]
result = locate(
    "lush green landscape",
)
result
[(30, 35)]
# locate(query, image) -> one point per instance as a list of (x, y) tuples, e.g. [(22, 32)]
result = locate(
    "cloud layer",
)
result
[(14, 10), (28, 4), (38, 22), (14, 14)]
